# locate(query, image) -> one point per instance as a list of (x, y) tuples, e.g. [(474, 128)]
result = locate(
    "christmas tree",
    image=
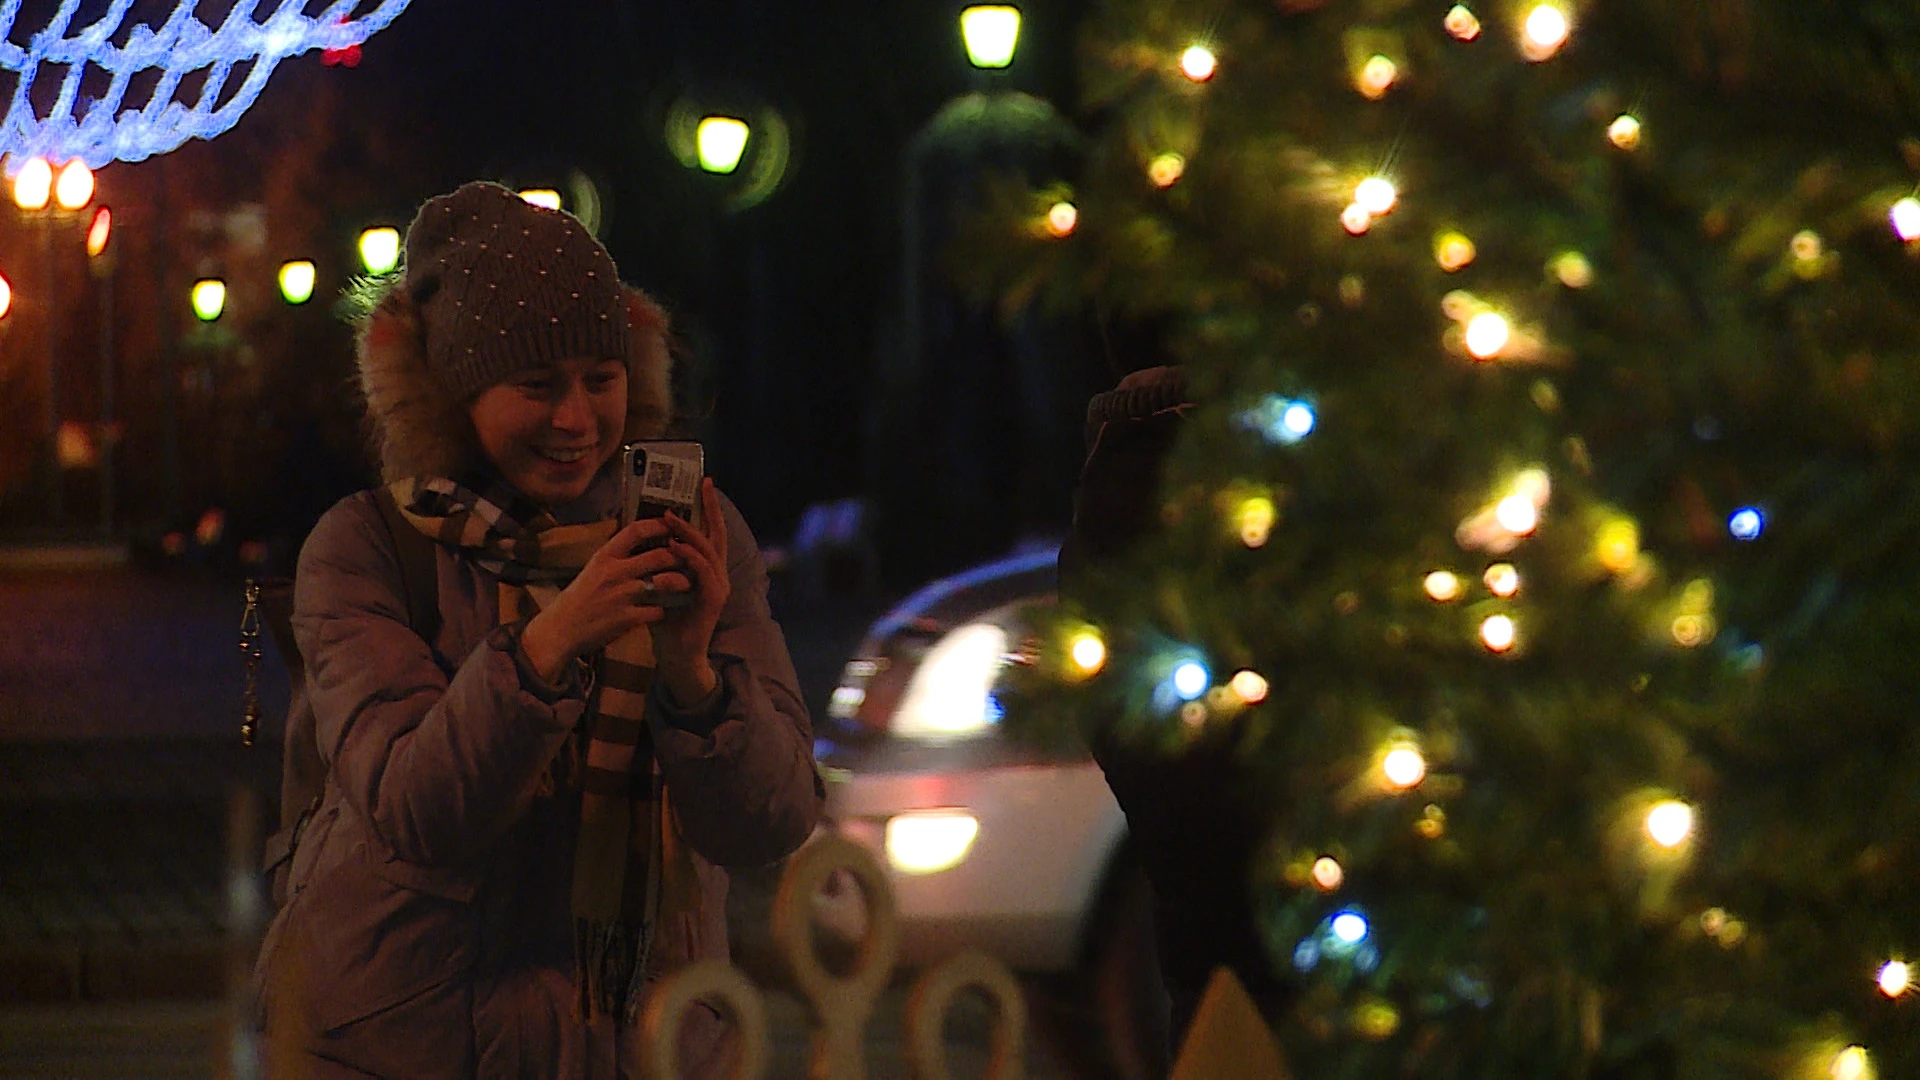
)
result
[(1545, 532)]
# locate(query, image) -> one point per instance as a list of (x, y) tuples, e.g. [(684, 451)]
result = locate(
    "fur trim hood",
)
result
[(417, 429)]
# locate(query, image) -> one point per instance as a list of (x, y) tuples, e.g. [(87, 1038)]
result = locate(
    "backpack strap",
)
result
[(419, 578)]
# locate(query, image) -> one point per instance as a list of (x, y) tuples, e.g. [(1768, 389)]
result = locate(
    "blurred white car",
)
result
[(987, 843)]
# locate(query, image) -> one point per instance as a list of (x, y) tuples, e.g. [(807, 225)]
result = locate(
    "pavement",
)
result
[(129, 811)]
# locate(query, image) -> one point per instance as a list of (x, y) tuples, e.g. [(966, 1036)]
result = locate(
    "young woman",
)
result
[(526, 818)]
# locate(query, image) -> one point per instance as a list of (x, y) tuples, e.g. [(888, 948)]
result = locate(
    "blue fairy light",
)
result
[(1280, 419), (1747, 523), (1350, 927), (994, 710), (1296, 422), (1190, 679), (1306, 956)]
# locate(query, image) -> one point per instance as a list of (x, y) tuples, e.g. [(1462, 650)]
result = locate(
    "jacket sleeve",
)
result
[(741, 772), (439, 765)]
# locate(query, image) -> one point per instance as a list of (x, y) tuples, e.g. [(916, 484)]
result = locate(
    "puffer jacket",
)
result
[(427, 932)]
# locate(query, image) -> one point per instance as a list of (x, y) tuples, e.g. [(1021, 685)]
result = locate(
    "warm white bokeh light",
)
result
[(1403, 766), (1497, 633), (927, 842), (1670, 823), (1852, 1064), (1442, 585), (1248, 686), (1062, 218), (1166, 170), (1545, 32), (1088, 651), (1355, 219), (1894, 978), (1487, 334), (1502, 580), (1461, 23), (1376, 195), (1624, 132), (1198, 63), (1327, 873), (1517, 514), (1453, 251), (1905, 218), (1377, 76), (33, 184), (74, 189)]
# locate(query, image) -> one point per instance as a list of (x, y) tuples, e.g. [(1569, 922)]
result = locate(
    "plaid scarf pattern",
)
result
[(631, 870)]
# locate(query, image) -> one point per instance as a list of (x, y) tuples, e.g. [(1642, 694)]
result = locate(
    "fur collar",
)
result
[(417, 429)]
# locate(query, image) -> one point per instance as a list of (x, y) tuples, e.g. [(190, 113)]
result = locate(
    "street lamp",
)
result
[(209, 298), (992, 32), (380, 250), (296, 281), (721, 141)]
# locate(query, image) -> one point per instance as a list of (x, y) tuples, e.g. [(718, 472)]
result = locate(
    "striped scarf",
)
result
[(631, 869)]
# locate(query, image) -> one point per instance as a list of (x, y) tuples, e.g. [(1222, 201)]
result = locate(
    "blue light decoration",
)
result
[(98, 130), (1190, 679), (1350, 927), (1747, 523), (1281, 420)]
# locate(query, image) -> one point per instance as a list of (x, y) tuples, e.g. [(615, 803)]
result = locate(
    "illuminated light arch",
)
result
[(99, 130)]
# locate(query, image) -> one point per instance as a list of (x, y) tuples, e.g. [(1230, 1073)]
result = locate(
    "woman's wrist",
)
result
[(691, 685), (548, 657)]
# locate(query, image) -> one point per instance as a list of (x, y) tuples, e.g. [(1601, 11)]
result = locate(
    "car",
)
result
[(987, 843)]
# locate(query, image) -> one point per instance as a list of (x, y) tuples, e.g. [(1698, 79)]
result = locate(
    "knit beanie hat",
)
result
[(502, 285)]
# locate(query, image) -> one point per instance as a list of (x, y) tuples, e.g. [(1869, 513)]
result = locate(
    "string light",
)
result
[(1497, 633), (1297, 421), (1089, 653), (1190, 679), (1377, 76), (33, 184), (1545, 32), (1617, 545), (1376, 195), (1670, 823), (1453, 251), (1487, 334), (1806, 245), (1461, 23), (1442, 585), (1255, 522), (1502, 580), (1432, 824), (1403, 766), (1624, 132), (1692, 630), (1905, 218), (1852, 1064), (1355, 219), (1327, 873), (1350, 927), (1572, 269), (1198, 63), (1747, 523), (1248, 686), (1517, 514), (1062, 218), (110, 126), (1894, 978), (1166, 170), (74, 188)]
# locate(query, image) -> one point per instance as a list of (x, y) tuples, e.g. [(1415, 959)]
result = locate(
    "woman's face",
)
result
[(548, 429)]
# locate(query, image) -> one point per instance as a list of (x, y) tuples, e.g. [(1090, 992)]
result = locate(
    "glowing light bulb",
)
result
[(1350, 927), (1376, 195), (1255, 520), (1198, 63), (1533, 484), (1852, 1064), (1453, 251), (1248, 686), (1355, 219), (1296, 422), (1617, 545), (1442, 585), (1545, 32), (1487, 335), (1517, 514), (1502, 579), (1377, 76), (380, 249), (1461, 23), (1572, 269), (1166, 170), (1806, 245), (209, 298), (1190, 679), (74, 189), (545, 198), (1905, 218), (1327, 873), (1747, 523), (1089, 653), (1403, 766), (1624, 132), (720, 142), (1895, 977), (1062, 218), (33, 184), (1692, 630), (296, 281), (1497, 633), (1670, 823)]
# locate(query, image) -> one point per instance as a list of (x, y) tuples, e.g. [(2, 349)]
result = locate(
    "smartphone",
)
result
[(662, 476)]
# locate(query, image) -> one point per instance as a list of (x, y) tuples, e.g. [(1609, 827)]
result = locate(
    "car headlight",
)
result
[(929, 841), (951, 692)]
